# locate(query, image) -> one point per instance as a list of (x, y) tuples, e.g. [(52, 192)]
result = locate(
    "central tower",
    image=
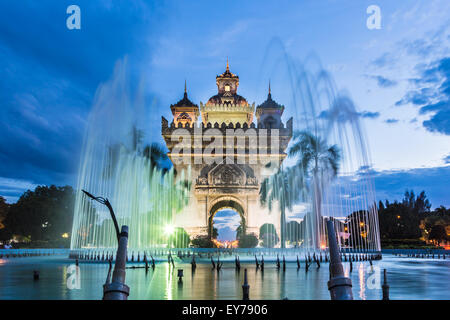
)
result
[(226, 155), (227, 106)]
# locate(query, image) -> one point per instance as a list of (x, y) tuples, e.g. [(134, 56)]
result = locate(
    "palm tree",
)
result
[(282, 188), (240, 231), (155, 153), (319, 161)]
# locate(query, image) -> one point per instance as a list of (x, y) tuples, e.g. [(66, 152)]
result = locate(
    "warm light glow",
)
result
[(398, 217), (65, 235), (322, 246), (361, 224), (225, 244), (169, 229)]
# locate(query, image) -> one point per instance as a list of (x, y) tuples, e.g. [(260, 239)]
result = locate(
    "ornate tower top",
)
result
[(227, 106), (269, 112), (270, 103), (185, 111), (227, 82)]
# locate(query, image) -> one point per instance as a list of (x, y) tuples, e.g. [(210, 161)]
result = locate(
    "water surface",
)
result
[(408, 278)]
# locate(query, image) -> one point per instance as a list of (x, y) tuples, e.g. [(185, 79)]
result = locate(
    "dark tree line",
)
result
[(46, 214), (412, 218), (4, 207), (42, 215)]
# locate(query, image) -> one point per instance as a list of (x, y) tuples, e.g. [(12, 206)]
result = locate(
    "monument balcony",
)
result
[(194, 127), (224, 190), (227, 107)]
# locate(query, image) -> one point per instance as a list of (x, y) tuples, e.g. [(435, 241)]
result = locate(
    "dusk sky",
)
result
[(398, 76)]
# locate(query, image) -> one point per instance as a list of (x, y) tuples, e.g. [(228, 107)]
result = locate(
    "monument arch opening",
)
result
[(221, 205), (228, 226)]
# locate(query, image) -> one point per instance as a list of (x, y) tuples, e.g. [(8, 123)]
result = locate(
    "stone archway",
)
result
[(225, 202)]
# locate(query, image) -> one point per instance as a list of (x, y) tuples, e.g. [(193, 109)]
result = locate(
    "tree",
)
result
[(281, 188), (419, 204), (4, 207), (358, 227), (215, 233), (438, 233), (156, 154), (202, 242), (240, 231), (43, 214), (248, 241), (268, 235), (179, 239), (319, 161), (402, 220), (441, 212), (436, 224), (294, 232)]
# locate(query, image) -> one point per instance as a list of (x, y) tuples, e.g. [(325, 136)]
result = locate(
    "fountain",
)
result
[(329, 171), (117, 166), (327, 174)]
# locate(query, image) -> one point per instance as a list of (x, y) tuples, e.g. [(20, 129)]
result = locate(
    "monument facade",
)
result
[(225, 155)]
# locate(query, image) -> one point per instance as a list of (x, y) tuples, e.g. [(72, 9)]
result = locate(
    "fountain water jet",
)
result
[(117, 166)]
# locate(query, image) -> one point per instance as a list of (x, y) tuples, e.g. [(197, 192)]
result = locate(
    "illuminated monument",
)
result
[(228, 177), (222, 152)]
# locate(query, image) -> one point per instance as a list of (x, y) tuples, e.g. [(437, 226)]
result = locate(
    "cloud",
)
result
[(11, 189), (420, 47), (428, 45), (325, 114), (416, 97), (440, 122), (384, 82), (384, 60), (50, 75), (432, 94), (447, 159), (369, 114), (391, 121), (392, 184), (226, 222), (220, 43)]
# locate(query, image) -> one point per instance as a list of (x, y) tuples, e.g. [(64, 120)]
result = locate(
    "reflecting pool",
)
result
[(408, 278)]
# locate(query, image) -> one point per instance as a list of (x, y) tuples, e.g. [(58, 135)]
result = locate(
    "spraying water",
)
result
[(329, 170), (117, 166)]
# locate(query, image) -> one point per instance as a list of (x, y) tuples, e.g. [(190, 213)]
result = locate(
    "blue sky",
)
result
[(398, 76), (227, 221)]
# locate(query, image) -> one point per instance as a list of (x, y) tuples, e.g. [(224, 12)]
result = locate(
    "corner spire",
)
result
[(185, 89), (228, 66), (269, 96)]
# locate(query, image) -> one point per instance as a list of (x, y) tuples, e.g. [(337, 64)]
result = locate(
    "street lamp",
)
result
[(115, 289)]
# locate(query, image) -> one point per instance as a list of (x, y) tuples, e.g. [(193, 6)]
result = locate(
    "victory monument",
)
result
[(228, 176)]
